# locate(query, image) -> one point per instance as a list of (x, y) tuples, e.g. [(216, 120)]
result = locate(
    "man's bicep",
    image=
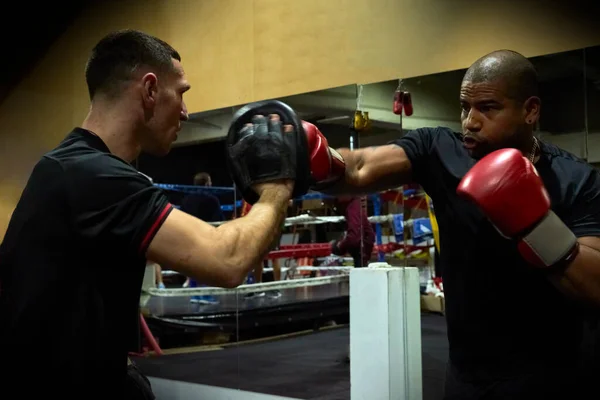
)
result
[(584, 214), (388, 163), (192, 247), (377, 168), (402, 161), (418, 148)]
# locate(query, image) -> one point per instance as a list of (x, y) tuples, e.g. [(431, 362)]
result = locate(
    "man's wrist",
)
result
[(276, 195), (550, 244)]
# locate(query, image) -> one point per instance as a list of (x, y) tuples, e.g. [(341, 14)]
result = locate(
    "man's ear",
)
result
[(531, 109), (150, 85)]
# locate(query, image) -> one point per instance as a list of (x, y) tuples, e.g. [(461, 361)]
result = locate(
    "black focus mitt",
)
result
[(263, 152)]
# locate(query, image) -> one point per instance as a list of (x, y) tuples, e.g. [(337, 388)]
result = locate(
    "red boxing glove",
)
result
[(327, 166), (509, 191)]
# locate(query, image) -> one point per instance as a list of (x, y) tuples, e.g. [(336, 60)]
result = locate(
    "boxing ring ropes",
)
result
[(384, 300)]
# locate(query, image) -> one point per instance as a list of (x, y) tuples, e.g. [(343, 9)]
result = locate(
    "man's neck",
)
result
[(528, 147), (115, 127)]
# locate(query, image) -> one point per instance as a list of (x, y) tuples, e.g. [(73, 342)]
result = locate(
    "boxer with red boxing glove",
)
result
[(519, 223)]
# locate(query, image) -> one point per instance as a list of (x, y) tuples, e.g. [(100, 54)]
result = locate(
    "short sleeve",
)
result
[(115, 205), (417, 145), (584, 216)]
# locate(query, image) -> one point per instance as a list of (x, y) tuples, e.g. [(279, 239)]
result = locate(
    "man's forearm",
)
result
[(249, 237), (371, 169), (349, 183), (581, 279)]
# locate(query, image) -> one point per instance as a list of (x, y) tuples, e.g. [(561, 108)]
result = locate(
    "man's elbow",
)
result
[(224, 275), (232, 278)]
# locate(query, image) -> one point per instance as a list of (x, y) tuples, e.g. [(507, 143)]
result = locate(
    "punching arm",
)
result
[(373, 169)]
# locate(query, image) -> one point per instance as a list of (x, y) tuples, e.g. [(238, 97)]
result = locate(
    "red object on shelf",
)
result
[(301, 250), (393, 246)]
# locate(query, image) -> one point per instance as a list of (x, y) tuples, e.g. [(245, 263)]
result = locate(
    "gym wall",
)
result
[(236, 51)]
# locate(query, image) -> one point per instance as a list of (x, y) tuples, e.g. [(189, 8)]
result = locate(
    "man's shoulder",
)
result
[(565, 162), (428, 138), (439, 130), (81, 161), (575, 178), (435, 132)]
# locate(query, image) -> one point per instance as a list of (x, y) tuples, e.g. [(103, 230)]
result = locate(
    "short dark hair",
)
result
[(201, 178), (116, 56), (512, 68)]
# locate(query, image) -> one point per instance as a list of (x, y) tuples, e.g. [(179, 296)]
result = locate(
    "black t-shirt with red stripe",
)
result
[(71, 267)]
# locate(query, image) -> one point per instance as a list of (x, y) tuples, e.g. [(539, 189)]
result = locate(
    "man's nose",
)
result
[(184, 116), (471, 122)]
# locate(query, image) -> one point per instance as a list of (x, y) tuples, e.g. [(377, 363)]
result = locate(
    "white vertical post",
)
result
[(385, 334), (149, 280)]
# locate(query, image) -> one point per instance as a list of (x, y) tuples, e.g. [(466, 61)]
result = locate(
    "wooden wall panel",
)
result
[(237, 51)]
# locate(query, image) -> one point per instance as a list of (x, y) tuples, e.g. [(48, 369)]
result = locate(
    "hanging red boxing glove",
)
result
[(398, 102), (407, 103)]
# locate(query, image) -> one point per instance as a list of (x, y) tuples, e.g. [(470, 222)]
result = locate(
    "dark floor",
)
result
[(303, 367)]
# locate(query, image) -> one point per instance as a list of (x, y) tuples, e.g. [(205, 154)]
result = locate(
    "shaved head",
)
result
[(500, 106), (513, 70)]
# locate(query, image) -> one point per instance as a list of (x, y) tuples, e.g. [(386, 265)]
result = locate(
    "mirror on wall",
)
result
[(291, 317), (189, 318), (563, 91), (591, 73), (404, 219)]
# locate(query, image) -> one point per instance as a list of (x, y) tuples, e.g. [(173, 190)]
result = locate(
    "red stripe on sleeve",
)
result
[(152, 231)]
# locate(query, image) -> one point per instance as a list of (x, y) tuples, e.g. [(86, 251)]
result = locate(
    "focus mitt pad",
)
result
[(263, 152)]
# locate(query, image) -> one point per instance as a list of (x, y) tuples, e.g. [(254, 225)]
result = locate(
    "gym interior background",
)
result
[(353, 59)]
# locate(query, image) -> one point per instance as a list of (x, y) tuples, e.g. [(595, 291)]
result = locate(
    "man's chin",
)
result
[(159, 152), (476, 154)]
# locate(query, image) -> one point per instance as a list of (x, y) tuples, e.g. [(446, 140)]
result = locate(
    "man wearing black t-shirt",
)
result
[(86, 212), (203, 205), (207, 207), (518, 291)]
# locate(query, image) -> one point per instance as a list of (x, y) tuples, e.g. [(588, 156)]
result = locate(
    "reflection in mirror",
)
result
[(291, 315), (592, 103), (294, 307), (398, 229), (188, 317), (563, 94), (405, 220)]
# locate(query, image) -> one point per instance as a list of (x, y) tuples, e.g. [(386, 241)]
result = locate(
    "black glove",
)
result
[(263, 152)]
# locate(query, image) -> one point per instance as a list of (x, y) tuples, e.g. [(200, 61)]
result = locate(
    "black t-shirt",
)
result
[(71, 268), (203, 206), (503, 316)]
